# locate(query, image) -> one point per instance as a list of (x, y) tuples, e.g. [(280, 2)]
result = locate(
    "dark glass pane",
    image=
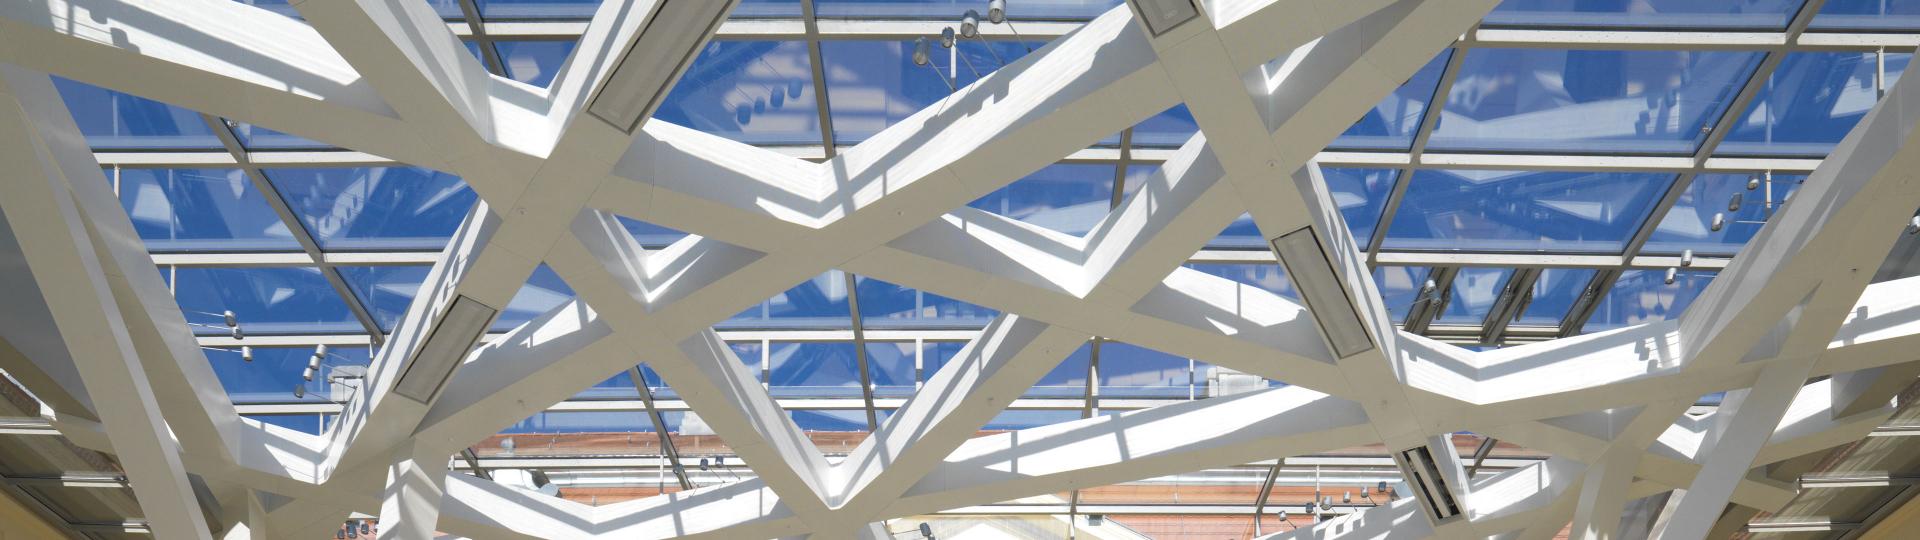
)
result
[(542, 292), (1130, 371), (1069, 379), (650, 235), (1069, 198), (820, 302), (1523, 211), (1546, 100), (376, 208), (537, 9), (891, 365), (200, 210), (1168, 129)]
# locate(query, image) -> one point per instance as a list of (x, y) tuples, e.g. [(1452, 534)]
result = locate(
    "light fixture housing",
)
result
[(1162, 16), (996, 11), (1313, 275), (642, 77), (446, 345), (1423, 474)]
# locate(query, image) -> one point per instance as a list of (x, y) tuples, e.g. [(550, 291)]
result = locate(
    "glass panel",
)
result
[(1399, 287), (1361, 195), (1720, 14), (1168, 129), (1553, 294), (951, 9), (386, 291), (1474, 290), (761, 9), (1812, 100), (1643, 296), (814, 369), (935, 354), (200, 210), (536, 9), (751, 91), (276, 6), (275, 371), (1391, 124), (258, 138), (1588, 101), (579, 422), (650, 235), (1018, 419), (1271, 277), (304, 423), (1070, 198), (1130, 371), (542, 292), (1523, 211), (377, 208), (111, 119), (1689, 225), (892, 369), (266, 300), (1069, 379), (533, 62), (1868, 15), (875, 83), (888, 306), (820, 302)]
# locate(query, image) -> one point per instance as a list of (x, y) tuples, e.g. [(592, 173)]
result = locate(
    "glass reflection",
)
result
[(1689, 225), (1812, 100), (1588, 101), (111, 119), (876, 83), (1642, 296), (534, 62), (177, 210), (820, 302), (1131, 371), (1069, 198), (1400, 288), (751, 91), (377, 208), (1391, 124), (1554, 292), (386, 291), (885, 305), (542, 292), (279, 300), (1474, 290), (1523, 211), (1868, 15), (1270, 277), (1679, 14), (813, 369)]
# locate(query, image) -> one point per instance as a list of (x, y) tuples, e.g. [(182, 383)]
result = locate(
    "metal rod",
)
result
[(660, 428), (860, 351)]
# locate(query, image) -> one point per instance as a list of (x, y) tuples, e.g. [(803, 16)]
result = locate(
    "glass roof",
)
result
[(1528, 112)]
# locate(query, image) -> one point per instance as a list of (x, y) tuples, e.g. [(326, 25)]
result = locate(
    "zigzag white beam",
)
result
[(217, 57), (54, 240), (1139, 444)]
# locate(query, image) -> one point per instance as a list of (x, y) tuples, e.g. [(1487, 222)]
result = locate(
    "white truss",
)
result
[(1270, 81)]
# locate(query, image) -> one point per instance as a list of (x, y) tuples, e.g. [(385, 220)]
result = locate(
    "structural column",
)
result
[(411, 504)]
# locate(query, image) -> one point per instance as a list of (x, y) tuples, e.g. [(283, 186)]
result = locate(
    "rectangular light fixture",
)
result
[(1312, 274), (654, 60), (1423, 475), (1162, 16), (446, 346)]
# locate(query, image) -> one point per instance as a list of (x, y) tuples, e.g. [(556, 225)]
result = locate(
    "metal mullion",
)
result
[(1419, 319), (1589, 301), (478, 31), (667, 449), (294, 226), (473, 462), (860, 350), (1480, 456), (1508, 305), (1092, 404), (1120, 169), (1429, 121), (42, 509), (1266, 489), (821, 102)]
